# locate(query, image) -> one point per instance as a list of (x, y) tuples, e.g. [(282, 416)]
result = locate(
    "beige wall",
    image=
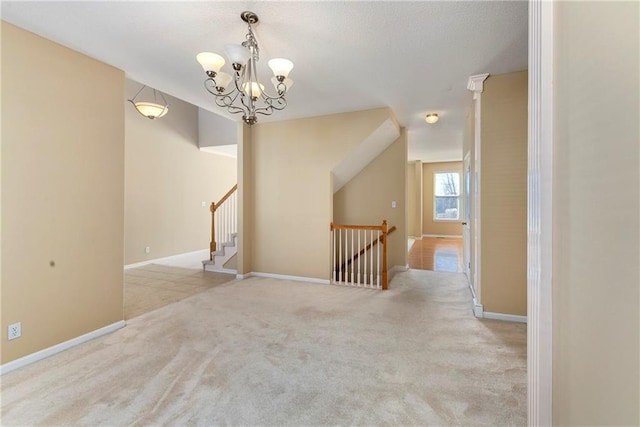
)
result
[(245, 200), (366, 199), (414, 198), (429, 225), (166, 180), (596, 194), (292, 193), (504, 194), (62, 193)]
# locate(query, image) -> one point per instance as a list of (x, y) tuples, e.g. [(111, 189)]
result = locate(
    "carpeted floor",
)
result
[(268, 352)]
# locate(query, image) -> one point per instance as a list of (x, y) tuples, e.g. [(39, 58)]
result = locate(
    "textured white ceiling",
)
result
[(414, 57)]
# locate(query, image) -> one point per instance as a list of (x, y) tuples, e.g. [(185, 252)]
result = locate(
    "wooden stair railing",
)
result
[(361, 273), (227, 227)]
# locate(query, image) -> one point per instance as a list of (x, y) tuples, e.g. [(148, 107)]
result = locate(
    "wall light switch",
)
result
[(394, 204), (147, 250), (204, 204)]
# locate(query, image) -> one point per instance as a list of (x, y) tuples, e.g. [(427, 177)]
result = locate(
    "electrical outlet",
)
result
[(14, 331), (147, 250)]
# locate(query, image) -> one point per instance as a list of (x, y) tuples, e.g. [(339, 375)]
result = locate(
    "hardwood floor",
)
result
[(436, 254)]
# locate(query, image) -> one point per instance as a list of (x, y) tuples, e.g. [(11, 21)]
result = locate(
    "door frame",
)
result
[(466, 220)]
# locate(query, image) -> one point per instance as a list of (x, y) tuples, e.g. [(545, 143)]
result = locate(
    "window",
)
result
[(446, 196)]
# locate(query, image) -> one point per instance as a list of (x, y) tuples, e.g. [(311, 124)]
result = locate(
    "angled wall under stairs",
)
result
[(290, 168)]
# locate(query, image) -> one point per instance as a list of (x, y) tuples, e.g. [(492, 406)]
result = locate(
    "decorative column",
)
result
[(476, 85), (540, 214)]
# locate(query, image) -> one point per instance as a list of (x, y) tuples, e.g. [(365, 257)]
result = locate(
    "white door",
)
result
[(466, 221)]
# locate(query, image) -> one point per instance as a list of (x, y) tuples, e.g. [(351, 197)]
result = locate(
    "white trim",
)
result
[(396, 269), (42, 354), (284, 277), (540, 214), (445, 236), (506, 317), (476, 85), (466, 217), (415, 237), (165, 259), (459, 197), (478, 309)]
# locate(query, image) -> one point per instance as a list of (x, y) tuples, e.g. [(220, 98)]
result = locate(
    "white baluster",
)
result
[(358, 276), (345, 272), (223, 222), (340, 255), (378, 268), (364, 282), (226, 221), (352, 257), (371, 259), (218, 230), (333, 255)]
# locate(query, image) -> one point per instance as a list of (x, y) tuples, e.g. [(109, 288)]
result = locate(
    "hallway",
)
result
[(436, 254)]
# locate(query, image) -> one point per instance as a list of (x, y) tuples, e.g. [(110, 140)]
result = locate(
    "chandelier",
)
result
[(246, 94)]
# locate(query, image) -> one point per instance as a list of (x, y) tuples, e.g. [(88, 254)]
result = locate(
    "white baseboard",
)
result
[(478, 309), (444, 236), (415, 237), (167, 259), (397, 269), (507, 317), (284, 277), (42, 354), (227, 271)]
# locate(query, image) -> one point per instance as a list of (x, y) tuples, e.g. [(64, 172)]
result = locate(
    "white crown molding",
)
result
[(50, 351), (476, 83), (540, 214)]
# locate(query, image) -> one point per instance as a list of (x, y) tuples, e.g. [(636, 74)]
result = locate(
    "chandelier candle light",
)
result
[(246, 95)]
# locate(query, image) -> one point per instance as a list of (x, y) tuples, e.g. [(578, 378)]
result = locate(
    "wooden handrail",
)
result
[(363, 250), (213, 208), (355, 227)]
